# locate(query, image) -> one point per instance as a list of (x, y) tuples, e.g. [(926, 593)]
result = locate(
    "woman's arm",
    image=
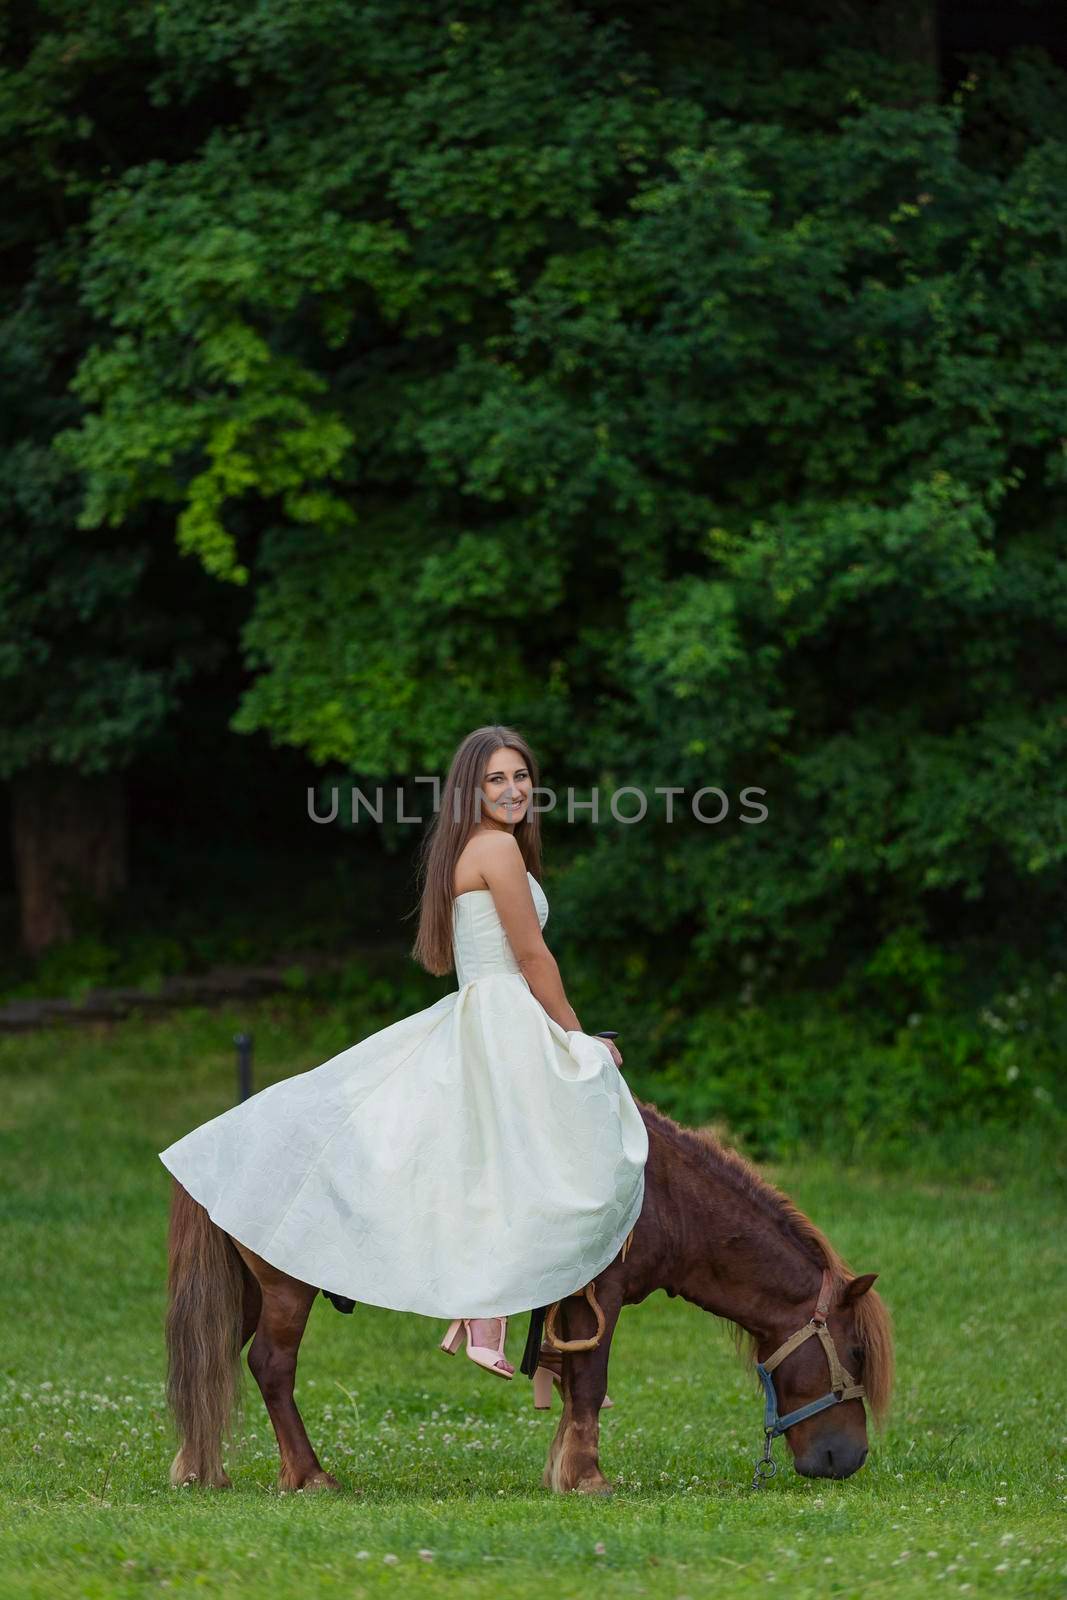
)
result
[(541, 972), (504, 871)]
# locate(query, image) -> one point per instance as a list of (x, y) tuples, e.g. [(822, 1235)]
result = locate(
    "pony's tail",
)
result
[(205, 1313)]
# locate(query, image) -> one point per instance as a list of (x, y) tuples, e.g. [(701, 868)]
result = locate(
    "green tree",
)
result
[(700, 411), (98, 628)]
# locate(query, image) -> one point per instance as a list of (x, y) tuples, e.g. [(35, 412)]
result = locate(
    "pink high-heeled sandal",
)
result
[(483, 1354)]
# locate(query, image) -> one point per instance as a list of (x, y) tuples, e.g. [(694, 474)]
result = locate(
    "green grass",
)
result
[(964, 1493)]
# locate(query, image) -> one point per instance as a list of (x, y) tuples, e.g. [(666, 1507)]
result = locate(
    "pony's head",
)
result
[(731, 1242), (833, 1442)]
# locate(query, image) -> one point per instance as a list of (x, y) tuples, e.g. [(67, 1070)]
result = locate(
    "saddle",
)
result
[(542, 1328)]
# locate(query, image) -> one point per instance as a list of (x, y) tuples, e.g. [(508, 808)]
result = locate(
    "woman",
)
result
[(482, 1155)]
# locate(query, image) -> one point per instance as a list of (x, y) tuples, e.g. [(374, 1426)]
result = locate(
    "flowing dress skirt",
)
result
[(474, 1159)]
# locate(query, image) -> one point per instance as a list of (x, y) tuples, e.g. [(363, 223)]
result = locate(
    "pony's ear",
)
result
[(857, 1287)]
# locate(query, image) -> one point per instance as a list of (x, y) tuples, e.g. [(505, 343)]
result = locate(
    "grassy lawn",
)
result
[(966, 1492)]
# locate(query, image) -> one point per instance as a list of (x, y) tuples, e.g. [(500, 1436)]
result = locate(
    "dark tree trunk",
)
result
[(70, 843)]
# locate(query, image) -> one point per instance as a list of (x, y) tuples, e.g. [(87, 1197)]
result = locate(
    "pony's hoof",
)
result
[(182, 1476), (309, 1485), (322, 1480), (599, 1486)]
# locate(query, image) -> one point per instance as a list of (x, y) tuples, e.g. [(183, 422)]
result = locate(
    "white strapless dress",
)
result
[(474, 1159)]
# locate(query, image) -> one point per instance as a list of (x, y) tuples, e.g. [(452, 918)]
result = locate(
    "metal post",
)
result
[(243, 1041)]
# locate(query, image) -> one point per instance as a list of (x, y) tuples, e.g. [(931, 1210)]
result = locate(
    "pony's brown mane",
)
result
[(729, 1169)]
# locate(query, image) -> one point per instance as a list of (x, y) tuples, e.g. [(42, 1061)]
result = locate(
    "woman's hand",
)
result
[(615, 1053)]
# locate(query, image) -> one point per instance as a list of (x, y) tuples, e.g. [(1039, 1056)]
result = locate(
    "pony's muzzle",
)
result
[(833, 1457)]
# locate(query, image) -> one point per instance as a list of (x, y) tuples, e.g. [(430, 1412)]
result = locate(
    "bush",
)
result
[(803, 1071)]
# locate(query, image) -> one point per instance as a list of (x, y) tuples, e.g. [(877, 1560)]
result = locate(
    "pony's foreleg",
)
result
[(272, 1360), (573, 1455)]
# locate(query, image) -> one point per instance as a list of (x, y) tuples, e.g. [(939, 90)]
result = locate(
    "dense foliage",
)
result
[(694, 402)]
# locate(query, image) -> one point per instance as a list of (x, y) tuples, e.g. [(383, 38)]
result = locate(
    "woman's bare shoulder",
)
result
[(496, 847), (485, 855)]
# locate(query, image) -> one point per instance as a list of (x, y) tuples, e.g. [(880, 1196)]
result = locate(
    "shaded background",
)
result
[(686, 390)]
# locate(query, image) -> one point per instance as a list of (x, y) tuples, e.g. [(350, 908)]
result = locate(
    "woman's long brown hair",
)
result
[(458, 816)]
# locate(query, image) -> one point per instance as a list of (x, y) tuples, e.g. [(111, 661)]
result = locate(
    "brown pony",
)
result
[(711, 1230)]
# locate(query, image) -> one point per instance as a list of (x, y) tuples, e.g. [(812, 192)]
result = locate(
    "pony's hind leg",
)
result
[(253, 1302), (206, 1297), (286, 1305)]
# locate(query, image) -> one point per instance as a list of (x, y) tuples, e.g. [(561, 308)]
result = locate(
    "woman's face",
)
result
[(507, 786)]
